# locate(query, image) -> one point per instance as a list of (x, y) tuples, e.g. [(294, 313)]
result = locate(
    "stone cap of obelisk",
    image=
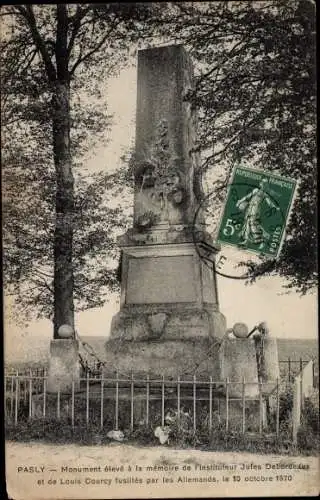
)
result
[(164, 161)]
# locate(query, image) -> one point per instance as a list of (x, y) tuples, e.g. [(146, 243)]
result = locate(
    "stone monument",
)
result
[(64, 366), (169, 323), (169, 303)]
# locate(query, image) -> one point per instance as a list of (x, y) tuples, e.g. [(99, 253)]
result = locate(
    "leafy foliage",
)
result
[(256, 92), (97, 47)]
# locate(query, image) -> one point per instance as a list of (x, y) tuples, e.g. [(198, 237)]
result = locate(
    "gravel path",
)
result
[(46, 471)]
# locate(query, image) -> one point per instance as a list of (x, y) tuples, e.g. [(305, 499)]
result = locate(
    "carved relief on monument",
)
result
[(159, 183)]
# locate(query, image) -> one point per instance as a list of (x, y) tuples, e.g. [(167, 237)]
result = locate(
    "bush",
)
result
[(181, 431), (144, 434), (57, 431), (307, 440), (310, 415), (308, 433)]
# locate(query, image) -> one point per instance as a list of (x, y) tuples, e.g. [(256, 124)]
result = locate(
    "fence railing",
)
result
[(302, 388), (127, 402)]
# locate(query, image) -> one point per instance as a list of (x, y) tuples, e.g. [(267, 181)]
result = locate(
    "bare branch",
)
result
[(42, 284), (94, 50), (232, 53), (79, 15), (43, 273), (28, 14)]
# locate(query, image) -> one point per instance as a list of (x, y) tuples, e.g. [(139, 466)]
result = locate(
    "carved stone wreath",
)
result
[(160, 172), (146, 220)]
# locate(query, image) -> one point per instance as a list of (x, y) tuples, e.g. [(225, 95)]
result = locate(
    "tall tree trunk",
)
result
[(63, 271)]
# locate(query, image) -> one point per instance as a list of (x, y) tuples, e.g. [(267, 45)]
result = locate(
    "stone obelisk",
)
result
[(169, 312)]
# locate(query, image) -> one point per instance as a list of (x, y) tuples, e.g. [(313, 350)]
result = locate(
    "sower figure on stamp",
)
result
[(252, 229)]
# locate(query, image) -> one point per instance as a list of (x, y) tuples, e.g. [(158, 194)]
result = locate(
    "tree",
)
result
[(256, 91), (50, 55)]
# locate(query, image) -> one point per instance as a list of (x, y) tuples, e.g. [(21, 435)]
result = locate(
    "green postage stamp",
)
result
[(256, 211)]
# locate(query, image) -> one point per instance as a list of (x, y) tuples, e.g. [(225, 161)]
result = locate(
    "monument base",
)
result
[(168, 358), (185, 359), (167, 322), (64, 367), (167, 292)]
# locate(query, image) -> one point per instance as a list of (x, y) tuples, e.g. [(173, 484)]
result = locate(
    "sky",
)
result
[(287, 315)]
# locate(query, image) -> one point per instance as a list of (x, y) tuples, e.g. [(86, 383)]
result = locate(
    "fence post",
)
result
[(260, 408), (289, 368), (313, 375), (278, 409), (16, 400), (72, 404), (243, 406), (178, 401), (5, 395), (30, 394), (87, 398), (117, 403), (58, 404), (44, 396), (296, 411), (11, 395), (301, 391), (227, 404), (102, 401), (132, 396), (25, 390), (162, 401), (147, 399), (194, 403), (210, 404)]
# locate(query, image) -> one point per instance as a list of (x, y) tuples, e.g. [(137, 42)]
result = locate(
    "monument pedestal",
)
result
[(168, 293), (64, 366), (168, 358)]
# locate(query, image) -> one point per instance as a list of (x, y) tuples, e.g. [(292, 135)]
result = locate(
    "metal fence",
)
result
[(290, 368), (127, 402)]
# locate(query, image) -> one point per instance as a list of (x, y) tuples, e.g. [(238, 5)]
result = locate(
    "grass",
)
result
[(61, 432), (51, 430), (182, 434)]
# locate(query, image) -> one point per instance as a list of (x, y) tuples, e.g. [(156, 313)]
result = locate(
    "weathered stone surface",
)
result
[(271, 359), (238, 362), (64, 365), (66, 332), (130, 326), (161, 279), (169, 279), (165, 136), (157, 323), (168, 358), (240, 330), (177, 323), (267, 361)]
